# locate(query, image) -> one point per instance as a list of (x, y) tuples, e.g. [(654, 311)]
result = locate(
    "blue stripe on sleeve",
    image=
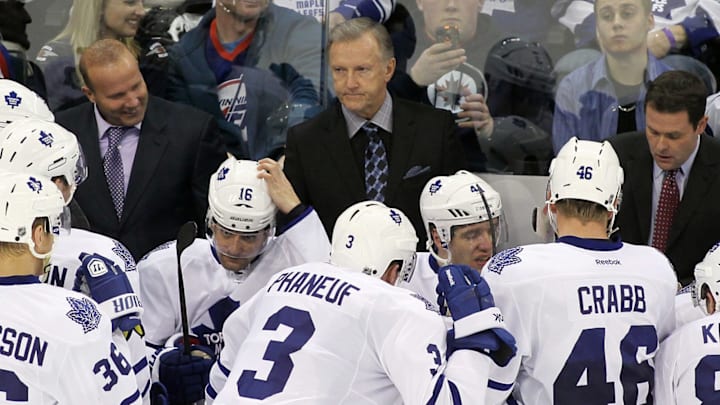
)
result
[(132, 398)]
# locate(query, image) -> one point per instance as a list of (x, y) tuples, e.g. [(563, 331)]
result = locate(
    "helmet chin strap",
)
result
[(441, 261)]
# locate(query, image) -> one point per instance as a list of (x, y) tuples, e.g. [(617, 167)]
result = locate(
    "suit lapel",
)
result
[(340, 153), (151, 146), (702, 174), (642, 169), (403, 136)]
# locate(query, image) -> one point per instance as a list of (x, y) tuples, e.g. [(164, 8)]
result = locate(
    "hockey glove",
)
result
[(478, 324), (184, 376), (105, 282), (158, 394)]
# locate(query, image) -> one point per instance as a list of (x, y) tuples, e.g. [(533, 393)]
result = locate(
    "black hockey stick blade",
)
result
[(185, 238)]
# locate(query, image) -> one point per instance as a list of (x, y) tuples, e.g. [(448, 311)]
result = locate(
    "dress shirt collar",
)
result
[(382, 118), (103, 125)]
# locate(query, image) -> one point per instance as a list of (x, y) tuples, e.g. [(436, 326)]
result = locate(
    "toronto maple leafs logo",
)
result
[(125, 255), (503, 259), (46, 138), (211, 335), (428, 305), (223, 173), (84, 312), (435, 187), (395, 216), (35, 184), (13, 100)]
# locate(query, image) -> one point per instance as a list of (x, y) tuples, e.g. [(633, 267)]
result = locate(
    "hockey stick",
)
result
[(185, 238)]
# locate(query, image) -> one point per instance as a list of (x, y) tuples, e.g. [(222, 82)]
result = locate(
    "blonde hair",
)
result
[(84, 27), (584, 211)]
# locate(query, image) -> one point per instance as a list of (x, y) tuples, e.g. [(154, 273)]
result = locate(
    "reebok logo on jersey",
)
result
[(606, 262)]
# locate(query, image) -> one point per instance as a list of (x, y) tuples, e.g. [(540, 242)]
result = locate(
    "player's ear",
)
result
[(391, 273), (42, 239)]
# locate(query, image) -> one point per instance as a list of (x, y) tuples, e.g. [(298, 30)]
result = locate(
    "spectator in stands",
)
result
[(605, 97), (91, 20), (255, 67), (14, 43)]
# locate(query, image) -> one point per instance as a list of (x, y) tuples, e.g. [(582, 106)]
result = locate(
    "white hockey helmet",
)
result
[(588, 171), (707, 278), (42, 148), (238, 200), (368, 237), (25, 197), (18, 102), (460, 199)]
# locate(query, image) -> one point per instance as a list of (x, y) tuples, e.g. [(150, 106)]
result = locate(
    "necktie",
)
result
[(666, 210), (376, 164), (113, 167)]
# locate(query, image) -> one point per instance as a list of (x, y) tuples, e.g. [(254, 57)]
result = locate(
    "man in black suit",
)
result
[(673, 145), (368, 145), (149, 160)]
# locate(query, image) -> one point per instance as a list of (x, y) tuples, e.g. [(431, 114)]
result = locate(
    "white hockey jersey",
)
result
[(587, 315), (424, 279), (64, 263), (688, 364), (323, 335), (56, 348), (211, 292)]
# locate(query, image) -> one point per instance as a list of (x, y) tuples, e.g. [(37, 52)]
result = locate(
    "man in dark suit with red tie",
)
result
[(671, 193), (369, 145), (149, 160)]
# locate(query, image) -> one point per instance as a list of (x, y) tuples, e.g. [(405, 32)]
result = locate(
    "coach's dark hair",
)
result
[(676, 91), (356, 27)]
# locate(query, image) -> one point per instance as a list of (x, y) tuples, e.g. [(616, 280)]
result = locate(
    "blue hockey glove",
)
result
[(184, 376), (105, 282), (159, 394), (478, 324)]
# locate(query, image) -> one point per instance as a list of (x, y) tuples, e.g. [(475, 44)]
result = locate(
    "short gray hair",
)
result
[(355, 28)]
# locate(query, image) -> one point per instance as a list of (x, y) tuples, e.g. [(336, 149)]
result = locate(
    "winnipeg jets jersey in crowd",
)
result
[(323, 335), (424, 279), (211, 292), (56, 348), (65, 261), (588, 316), (687, 364)]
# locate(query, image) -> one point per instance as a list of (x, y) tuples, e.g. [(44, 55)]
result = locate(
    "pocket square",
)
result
[(416, 171)]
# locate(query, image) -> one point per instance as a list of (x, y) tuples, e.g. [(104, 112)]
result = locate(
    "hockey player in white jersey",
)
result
[(588, 311), (57, 345), (456, 211), (18, 102), (688, 362), (35, 146), (342, 333), (221, 272)]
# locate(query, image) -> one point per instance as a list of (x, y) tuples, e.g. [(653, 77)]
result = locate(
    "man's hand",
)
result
[(184, 376), (478, 113), (478, 324), (279, 187), (435, 61), (105, 282)]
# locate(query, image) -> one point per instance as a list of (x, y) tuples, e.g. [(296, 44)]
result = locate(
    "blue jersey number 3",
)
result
[(279, 353)]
